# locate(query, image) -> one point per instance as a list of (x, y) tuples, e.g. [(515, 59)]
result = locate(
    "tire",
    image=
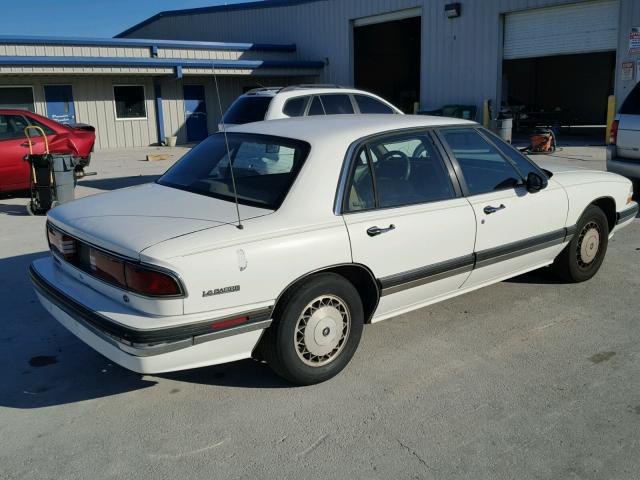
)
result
[(582, 257), (290, 348)]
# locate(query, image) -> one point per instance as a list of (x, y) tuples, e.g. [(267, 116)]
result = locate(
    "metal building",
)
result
[(553, 55), (137, 92)]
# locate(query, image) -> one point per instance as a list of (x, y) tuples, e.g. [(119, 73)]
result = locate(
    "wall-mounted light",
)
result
[(452, 10)]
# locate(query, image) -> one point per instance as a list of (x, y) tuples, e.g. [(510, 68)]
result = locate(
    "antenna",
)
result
[(226, 142)]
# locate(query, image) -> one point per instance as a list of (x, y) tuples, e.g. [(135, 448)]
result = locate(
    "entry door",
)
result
[(407, 221), (59, 101), (195, 109), (516, 230)]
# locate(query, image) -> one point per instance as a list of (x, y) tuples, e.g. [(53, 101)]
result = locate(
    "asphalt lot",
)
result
[(528, 379)]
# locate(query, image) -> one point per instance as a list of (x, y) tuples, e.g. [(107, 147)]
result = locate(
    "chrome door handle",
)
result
[(489, 209), (373, 231)]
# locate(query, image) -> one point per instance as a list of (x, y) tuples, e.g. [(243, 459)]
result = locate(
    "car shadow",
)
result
[(14, 210), (118, 182), (542, 276), (248, 373), (42, 364)]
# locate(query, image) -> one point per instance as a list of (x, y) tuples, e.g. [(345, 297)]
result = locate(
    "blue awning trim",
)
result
[(157, 62), (144, 42)]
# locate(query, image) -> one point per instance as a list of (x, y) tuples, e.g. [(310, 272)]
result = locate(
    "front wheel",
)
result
[(316, 330), (582, 257)]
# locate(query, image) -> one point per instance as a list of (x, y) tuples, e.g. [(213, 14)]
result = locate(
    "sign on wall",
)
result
[(627, 71), (634, 41)]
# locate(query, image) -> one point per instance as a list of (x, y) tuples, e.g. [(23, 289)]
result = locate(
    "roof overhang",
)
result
[(146, 43)]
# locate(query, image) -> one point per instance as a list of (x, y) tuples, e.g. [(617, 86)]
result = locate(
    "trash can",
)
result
[(503, 127), (171, 141), (63, 167)]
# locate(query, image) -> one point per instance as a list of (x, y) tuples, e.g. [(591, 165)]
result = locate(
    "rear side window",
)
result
[(631, 105), (247, 109), (337, 104), (483, 167), (36, 133), (316, 107), (295, 107), (368, 104)]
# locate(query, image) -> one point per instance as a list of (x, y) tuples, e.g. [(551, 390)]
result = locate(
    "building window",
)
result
[(20, 98), (130, 102)]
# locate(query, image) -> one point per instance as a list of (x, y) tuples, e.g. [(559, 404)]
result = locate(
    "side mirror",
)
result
[(535, 182)]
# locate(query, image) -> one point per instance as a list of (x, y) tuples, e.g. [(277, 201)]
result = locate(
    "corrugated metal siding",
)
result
[(461, 58), (93, 99), (73, 51), (579, 28)]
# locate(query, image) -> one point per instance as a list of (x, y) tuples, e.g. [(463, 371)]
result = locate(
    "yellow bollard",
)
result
[(611, 113), (486, 121)]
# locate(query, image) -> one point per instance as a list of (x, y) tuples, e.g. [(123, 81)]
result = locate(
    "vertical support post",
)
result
[(157, 89), (611, 113), (486, 116)]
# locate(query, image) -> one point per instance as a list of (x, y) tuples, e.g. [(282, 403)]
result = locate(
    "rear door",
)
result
[(14, 170), (517, 230), (407, 220), (628, 141)]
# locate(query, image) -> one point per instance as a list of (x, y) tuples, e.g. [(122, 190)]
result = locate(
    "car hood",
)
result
[(130, 220)]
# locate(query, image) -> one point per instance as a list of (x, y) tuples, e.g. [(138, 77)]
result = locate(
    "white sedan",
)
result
[(321, 225)]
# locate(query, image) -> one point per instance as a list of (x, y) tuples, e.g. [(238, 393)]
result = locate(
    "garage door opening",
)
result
[(559, 66), (568, 92), (387, 60)]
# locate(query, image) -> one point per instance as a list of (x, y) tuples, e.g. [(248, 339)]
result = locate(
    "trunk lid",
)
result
[(130, 220)]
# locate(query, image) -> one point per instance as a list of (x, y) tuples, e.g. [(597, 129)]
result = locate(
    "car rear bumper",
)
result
[(188, 345), (629, 168)]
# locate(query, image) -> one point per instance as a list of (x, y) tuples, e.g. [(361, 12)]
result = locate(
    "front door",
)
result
[(14, 169), (195, 110), (407, 221), (517, 230), (59, 101)]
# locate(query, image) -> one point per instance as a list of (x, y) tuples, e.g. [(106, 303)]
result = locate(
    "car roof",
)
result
[(324, 128), (302, 90)]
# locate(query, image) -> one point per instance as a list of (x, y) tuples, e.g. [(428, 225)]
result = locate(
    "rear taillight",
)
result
[(112, 269), (150, 282), (613, 136), (106, 267), (63, 244)]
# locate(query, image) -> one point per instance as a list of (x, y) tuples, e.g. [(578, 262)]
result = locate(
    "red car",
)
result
[(76, 140)]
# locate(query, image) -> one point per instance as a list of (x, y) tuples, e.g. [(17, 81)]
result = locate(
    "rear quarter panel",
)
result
[(262, 260)]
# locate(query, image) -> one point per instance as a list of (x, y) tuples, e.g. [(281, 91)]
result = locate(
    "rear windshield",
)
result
[(631, 106), (247, 110), (264, 168)]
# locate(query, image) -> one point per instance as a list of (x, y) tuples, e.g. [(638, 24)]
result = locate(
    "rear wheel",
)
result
[(582, 257), (317, 329)]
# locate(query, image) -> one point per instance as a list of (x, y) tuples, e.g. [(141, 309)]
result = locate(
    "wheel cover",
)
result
[(588, 244), (322, 330)]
